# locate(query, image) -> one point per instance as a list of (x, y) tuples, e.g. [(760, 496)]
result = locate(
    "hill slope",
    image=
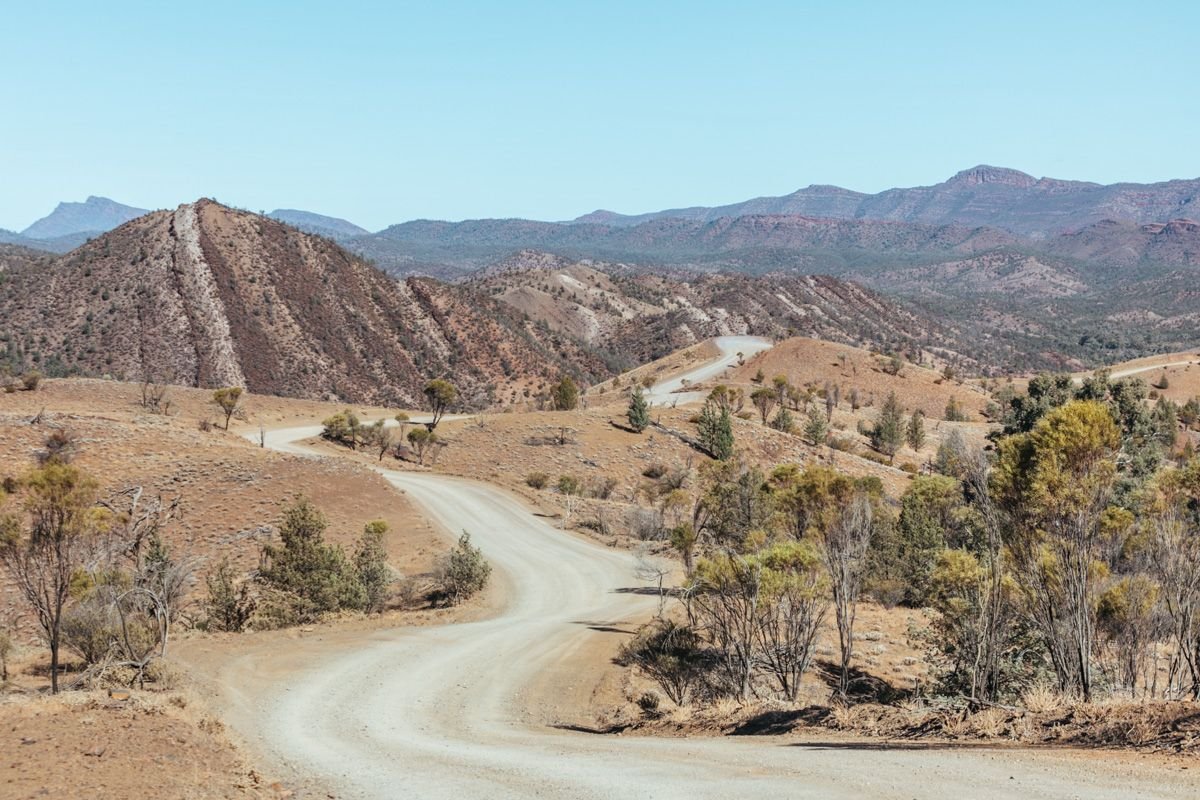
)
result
[(645, 315), (208, 296)]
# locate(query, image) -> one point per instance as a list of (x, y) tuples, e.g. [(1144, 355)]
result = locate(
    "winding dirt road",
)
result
[(670, 391), (465, 711)]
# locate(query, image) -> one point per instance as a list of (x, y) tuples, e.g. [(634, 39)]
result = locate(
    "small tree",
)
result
[(888, 434), (845, 543), (441, 395), (816, 428), (954, 412), (6, 648), (463, 572), (716, 432), (764, 400), (565, 394), (310, 576), (370, 561), (379, 436), (639, 410), (915, 433), (422, 441), (227, 399), (782, 421), (45, 551)]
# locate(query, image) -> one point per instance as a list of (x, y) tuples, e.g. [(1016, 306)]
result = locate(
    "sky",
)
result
[(384, 112)]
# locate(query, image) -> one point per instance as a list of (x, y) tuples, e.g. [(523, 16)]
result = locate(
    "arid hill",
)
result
[(208, 296), (642, 316)]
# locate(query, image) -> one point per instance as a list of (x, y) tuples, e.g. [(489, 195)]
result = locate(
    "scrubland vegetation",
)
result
[(1061, 560)]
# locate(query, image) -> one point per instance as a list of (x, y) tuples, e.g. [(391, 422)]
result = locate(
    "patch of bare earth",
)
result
[(87, 744)]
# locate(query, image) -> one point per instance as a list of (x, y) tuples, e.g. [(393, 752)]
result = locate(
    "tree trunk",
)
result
[(54, 665)]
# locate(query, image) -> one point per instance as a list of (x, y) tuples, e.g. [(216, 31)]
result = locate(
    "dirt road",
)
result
[(669, 392), (468, 710)]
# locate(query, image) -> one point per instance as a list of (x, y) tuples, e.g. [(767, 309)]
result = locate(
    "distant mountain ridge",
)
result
[(984, 195), (95, 215), (332, 227)]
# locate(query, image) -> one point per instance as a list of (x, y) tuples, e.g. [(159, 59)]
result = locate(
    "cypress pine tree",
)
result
[(639, 410), (888, 434), (916, 430), (716, 431), (817, 427)]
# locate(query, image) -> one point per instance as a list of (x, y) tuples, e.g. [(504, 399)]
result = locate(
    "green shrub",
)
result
[(370, 562), (306, 576), (462, 573)]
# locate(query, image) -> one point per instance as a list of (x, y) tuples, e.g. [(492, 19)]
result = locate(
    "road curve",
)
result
[(669, 392), (1125, 373), (445, 712)]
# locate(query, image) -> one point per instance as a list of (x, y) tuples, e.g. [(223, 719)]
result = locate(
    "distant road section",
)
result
[(671, 391)]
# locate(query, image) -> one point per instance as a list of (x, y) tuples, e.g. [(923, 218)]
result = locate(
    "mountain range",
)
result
[(981, 196), (207, 295), (1060, 273)]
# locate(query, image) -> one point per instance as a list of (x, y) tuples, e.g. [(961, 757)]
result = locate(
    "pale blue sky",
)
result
[(383, 112)]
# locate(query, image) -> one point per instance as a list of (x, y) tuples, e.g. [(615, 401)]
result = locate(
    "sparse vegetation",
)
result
[(227, 400)]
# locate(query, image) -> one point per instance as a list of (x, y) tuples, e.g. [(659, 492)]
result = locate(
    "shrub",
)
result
[(537, 480), (565, 394), (463, 572), (655, 471), (569, 484), (370, 562), (229, 605), (603, 488), (670, 654), (308, 576), (30, 380), (645, 524), (344, 427)]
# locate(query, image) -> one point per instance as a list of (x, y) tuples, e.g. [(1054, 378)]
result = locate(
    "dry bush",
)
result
[(1042, 698), (991, 723)]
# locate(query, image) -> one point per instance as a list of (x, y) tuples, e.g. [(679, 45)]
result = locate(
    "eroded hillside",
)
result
[(208, 296)]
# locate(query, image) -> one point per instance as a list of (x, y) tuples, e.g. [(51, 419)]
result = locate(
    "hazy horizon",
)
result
[(381, 115)]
